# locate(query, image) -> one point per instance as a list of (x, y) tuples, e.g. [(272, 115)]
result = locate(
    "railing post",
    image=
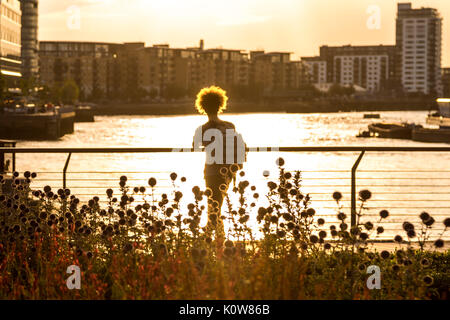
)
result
[(2, 162), (65, 170), (14, 157), (353, 194)]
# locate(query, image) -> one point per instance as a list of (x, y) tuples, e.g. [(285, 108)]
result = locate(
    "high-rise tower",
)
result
[(30, 46), (419, 48)]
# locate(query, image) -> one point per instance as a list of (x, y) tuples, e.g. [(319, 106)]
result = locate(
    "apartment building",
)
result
[(29, 37), (91, 65), (10, 40), (370, 67), (446, 82), (316, 69), (132, 69), (419, 45)]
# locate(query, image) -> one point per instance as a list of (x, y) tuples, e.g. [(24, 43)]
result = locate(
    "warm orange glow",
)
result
[(207, 91)]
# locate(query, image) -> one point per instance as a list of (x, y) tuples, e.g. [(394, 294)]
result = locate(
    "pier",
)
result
[(48, 125)]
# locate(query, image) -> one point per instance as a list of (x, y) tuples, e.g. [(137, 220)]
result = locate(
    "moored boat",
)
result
[(391, 130), (371, 116), (441, 118), (84, 114), (431, 135)]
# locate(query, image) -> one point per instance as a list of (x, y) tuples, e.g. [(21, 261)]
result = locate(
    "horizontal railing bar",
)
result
[(313, 186), (303, 171), (258, 149), (391, 193), (164, 179)]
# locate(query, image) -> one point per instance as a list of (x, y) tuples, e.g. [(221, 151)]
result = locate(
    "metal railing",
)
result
[(349, 149)]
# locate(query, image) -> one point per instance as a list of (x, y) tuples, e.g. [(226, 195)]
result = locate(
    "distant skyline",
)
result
[(297, 26)]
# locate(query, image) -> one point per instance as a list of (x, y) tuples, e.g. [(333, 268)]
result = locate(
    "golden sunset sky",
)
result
[(298, 26)]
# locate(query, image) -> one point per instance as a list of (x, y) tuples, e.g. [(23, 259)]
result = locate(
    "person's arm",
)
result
[(197, 143)]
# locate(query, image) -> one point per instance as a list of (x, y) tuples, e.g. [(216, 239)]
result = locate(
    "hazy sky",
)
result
[(298, 26)]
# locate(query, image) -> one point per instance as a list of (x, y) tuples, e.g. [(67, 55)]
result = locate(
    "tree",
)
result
[(309, 90), (3, 87), (70, 92), (55, 93), (44, 94), (27, 85), (97, 94), (153, 93), (174, 91)]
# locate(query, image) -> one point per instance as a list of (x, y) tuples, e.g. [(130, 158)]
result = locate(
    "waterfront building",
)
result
[(446, 82), (316, 69), (29, 38), (132, 70), (10, 42), (274, 71), (89, 64), (419, 45), (369, 67)]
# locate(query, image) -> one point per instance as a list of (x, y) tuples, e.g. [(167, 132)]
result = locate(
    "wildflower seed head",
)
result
[(407, 226), (341, 216), (365, 195), (313, 238), (364, 236), (280, 162), (173, 176), (425, 262), (368, 225), (152, 182), (384, 214), (311, 212), (424, 216), (208, 192), (427, 280), (447, 223), (234, 168), (337, 195), (223, 171), (228, 244), (411, 233), (429, 222), (439, 243)]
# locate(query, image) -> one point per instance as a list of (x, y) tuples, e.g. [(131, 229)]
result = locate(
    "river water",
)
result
[(404, 183)]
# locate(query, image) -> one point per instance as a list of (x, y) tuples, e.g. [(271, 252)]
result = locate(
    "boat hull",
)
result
[(431, 135), (390, 131), (84, 114)]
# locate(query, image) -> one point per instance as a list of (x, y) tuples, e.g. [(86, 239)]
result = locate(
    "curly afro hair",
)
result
[(211, 100)]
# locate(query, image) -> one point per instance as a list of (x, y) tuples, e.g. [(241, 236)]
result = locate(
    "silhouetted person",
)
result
[(224, 148)]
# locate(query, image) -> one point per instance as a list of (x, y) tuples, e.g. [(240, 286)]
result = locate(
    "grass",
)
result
[(156, 248)]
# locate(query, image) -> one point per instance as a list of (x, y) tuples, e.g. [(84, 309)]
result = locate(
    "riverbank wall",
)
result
[(325, 106)]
